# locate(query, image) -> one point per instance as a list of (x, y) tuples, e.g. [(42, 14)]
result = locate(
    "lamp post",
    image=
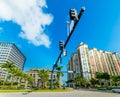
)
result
[(74, 17), (68, 27)]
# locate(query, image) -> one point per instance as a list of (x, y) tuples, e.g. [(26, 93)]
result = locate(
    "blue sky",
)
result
[(37, 26)]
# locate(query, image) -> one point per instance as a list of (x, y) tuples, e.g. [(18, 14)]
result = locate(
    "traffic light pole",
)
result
[(68, 38)]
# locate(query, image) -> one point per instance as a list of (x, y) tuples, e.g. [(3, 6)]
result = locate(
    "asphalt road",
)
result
[(76, 93)]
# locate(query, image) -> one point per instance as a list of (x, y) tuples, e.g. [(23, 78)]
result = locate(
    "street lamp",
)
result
[(68, 27)]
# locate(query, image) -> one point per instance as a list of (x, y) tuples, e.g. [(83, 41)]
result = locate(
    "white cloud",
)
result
[(30, 16)]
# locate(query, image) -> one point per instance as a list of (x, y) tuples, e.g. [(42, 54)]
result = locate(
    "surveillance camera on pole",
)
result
[(73, 14)]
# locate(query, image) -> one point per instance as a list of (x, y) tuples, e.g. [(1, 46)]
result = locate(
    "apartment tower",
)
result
[(91, 61)]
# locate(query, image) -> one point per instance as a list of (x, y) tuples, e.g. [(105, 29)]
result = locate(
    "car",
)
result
[(116, 90)]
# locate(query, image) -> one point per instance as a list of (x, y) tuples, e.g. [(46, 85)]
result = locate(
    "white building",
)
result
[(83, 58), (10, 52), (91, 61)]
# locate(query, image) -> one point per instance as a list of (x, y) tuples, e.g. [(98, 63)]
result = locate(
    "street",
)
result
[(76, 93)]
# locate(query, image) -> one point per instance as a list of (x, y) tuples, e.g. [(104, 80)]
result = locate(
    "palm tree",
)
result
[(31, 80), (118, 79), (93, 82), (44, 75), (103, 76), (26, 79), (78, 81), (99, 77), (106, 77), (16, 72), (56, 84), (85, 82), (20, 77), (59, 74), (8, 66), (115, 80)]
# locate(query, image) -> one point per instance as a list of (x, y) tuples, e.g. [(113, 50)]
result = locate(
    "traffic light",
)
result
[(60, 60), (61, 45), (73, 14), (65, 52)]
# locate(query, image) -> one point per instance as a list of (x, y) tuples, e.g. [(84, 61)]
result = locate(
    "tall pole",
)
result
[(68, 27), (68, 38)]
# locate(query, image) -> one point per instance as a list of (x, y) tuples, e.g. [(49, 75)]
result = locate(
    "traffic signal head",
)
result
[(73, 14), (65, 52), (61, 45), (60, 60)]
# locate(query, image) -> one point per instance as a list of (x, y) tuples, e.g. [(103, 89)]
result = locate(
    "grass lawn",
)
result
[(40, 90)]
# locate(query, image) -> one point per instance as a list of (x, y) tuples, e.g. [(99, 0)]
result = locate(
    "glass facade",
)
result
[(10, 52)]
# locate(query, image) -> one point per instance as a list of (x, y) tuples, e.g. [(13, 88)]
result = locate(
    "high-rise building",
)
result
[(99, 61), (10, 52), (116, 61), (79, 63), (73, 65), (83, 57), (113, 62), (91, 61)]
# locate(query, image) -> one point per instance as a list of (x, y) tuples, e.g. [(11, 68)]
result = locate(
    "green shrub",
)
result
[(110, 88), (15, 83), (102, 88), (1, 82), (5, 87), (7, 83), (9, 88), (21, 87)]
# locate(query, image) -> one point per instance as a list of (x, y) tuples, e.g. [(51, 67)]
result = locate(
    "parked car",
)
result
[(116, 90)]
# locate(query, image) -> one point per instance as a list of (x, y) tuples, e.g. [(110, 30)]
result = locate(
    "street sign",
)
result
[(70, 71)]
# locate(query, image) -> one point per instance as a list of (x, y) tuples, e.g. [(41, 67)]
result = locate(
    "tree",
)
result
[(30, 79), (44, 75), (8, 66), (99, 77), (78, 81), (103, 76), (59, 74), (106, 77), (93, 82), (25, 77), (85, 82), (115, 80), (16, 72), (21, 74)]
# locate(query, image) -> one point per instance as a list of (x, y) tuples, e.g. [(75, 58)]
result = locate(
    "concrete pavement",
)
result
[(76, 93)]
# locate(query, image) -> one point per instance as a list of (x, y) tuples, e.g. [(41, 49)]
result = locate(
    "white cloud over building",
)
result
[(30, 16)]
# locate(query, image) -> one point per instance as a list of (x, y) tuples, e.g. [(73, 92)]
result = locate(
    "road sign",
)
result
[(70, 71)]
